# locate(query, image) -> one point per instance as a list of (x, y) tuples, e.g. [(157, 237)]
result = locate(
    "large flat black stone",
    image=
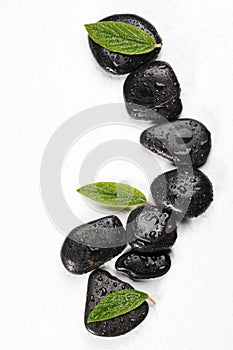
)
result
[(93, 244), (118, 63)]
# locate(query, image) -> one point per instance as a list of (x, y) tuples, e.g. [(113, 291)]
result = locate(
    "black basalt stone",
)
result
[(184, 142), (186, 191), (117, 63), (93, 244), (152, 92), (150, 229), (100, 284), (144, 266)]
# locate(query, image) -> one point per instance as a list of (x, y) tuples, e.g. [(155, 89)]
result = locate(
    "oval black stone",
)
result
[(100, 284), (144, 266), (152, 92), (187, 191), (150, 229), (117, 63), (93, 244), (184, 142)]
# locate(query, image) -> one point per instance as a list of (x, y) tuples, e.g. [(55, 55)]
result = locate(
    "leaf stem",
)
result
[(149, 204), (152, 301), (158, 45)]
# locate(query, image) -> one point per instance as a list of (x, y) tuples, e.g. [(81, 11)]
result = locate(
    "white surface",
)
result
[(47, 74)]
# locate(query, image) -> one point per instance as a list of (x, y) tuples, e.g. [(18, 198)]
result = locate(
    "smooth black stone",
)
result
[(93, 244), (152, 92), (184, 142), (144, 266), (117, 63), (100, 284), (187, 191), (150, 229)]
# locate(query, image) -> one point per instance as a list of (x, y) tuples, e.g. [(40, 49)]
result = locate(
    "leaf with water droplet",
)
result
[(113, 194), (121, 37), (116, 304)]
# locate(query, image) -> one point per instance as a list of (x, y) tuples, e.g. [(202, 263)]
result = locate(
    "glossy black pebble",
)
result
[(117, 63), (152, 92), (150, 229), (100, 284), (187, 191), (93, 244), (144, 266), (185, 141)]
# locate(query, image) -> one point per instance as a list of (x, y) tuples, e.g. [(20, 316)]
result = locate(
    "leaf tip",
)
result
[(142, 199), (87, 26), (90, 318)]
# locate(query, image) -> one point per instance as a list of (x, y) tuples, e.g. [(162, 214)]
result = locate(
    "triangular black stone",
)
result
[(100, 284)]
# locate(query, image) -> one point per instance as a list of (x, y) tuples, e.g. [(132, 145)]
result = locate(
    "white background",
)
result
[(47, 74)]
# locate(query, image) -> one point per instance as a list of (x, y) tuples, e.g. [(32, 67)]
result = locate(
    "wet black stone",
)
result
[(117, 63), (144, 266), (184, 142), (187, 191), (152, 92), (100, 284), (150, 229), (93, 244)]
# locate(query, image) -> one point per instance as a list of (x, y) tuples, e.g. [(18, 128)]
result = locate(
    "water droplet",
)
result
[(103, 291), (162, 66), (94, 249), (183, 189)]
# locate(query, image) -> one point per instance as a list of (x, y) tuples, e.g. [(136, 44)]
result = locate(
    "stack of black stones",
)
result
[(152, 93)]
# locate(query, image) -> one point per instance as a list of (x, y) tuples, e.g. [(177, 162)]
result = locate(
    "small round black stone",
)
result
[(117, 63), (186, 191), (144, 266), (93, 244), (184, 142), (152, 92), (100, 284), (150, 229)]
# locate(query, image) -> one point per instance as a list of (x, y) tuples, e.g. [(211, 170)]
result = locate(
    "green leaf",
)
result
[(113, 194), (121, 37), (116, 304)]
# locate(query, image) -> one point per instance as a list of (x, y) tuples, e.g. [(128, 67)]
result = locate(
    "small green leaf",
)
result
[(113, 194), (116, 304), (121, 37)]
